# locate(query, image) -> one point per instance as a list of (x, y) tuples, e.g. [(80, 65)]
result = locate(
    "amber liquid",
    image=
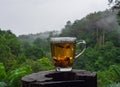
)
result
[(63, 54)]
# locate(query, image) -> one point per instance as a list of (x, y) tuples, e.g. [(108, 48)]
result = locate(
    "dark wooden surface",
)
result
[(74, 78)]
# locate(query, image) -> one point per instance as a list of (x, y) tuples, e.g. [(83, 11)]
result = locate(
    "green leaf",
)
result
[(3, 84), (2, 71), (14, 77)]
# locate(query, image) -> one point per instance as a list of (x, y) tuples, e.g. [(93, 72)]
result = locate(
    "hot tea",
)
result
[(63, 52)]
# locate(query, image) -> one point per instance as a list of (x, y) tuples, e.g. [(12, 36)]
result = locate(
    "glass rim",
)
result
[(63, 39)]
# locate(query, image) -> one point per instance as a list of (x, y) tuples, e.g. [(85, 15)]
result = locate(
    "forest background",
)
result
[(25, 54)]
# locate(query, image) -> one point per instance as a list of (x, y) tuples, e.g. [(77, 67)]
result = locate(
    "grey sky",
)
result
[(34, 16)]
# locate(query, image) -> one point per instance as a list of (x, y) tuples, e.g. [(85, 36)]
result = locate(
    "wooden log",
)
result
[(74, 78)]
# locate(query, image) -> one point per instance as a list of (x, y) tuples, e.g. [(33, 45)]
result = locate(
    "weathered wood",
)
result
[(74, 78)]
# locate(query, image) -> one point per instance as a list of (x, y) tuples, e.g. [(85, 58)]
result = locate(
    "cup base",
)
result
[(59, 69)]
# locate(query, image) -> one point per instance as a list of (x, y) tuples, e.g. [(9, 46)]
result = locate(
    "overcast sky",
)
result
[(35, 16)]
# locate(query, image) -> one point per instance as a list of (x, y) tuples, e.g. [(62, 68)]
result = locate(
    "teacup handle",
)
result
[(81, 42)]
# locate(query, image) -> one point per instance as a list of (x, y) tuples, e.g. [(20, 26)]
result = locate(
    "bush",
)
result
[(114, 85)]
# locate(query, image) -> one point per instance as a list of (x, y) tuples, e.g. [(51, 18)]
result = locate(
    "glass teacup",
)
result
[(63, 50)]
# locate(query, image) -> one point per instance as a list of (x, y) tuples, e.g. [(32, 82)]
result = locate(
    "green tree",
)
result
[(2, 72), (9, 48), (39, 65), (42, 43), (34, 53)]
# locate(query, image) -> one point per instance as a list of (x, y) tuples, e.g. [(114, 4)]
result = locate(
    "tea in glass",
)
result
[(63, 52)]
